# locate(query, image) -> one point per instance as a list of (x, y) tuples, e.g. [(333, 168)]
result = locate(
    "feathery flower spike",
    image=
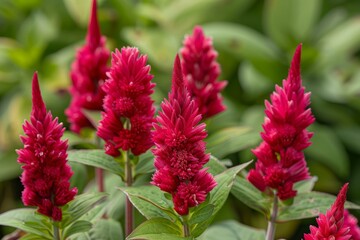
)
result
[(127, 102), (331, 225), (201, 71), (46, 173), (351, 222), (88, 73), (180, 148), (281, 161)]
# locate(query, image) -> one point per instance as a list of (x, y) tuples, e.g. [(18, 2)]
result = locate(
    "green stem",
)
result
[(186, 228), (129, 209), (56, 232), (270, 234), (99, 173)]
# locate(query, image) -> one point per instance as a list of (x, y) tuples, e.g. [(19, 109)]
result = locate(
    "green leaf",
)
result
[(79, 10), (218, 196), (81, 205), (96, 158), (77, 227), (106, 229), (289, 22), (232, 230), (327, 149), (202, 213), (244, 191), (145, 164), (307, 205), (10, 168), (160, 236), (80, 177), (305, 185), (150, 201), (214, 166), (243, 42), (230, 140), (156, 226), (93, 116), (26, 220)]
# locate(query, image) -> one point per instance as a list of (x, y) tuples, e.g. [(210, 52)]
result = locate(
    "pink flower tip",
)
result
[(93, 36)]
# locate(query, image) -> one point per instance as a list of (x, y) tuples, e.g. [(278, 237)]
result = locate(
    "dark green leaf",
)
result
[(232, 230), (307, 205), (77, 227), (230, 140), (106, 229), (96, 158)]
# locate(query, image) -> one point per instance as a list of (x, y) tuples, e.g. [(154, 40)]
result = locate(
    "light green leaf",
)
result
[(145, 164), (156, 226), (305, 185), (244, 191), (77, 227), (160, 236), (232, 230), (230, 140), (81, 205), (202, 213), (150, 201), (26, 220), (96, 158), (106, 229), (327, 149), (307, 205), (79, 10), (214, 166), (289, 22)]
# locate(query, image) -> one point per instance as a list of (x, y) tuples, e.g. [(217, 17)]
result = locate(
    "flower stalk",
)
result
[(270, 233), (186, 228), (56, 232)]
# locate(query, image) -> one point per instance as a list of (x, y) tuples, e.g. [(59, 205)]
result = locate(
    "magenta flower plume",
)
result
[(201, 72), (127, 99), (281, 161), (352, 223), (331, 225), (46, 173), (180, 148), (88, 72)]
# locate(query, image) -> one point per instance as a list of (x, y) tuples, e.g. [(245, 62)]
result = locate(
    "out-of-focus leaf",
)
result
[(339, 44), (157, 228), (289, 22), (77, 227), (230, 140), (243, 42), (80, 177), (159, 45), (96, 158), (106, 229), (145, 164), (26, 220), (327, 149), (79, 10), (10, 168), (307, 205), (350, 136), (232, 230)]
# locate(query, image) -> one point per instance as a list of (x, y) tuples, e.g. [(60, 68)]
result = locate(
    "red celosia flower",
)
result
[(180, 149), (331, 224), (127, 99), (201, 72), (46, 172), (281, 161), (88, 73), (351, 222)]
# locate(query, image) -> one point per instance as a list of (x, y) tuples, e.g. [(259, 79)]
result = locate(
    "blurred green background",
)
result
[(255, 41)]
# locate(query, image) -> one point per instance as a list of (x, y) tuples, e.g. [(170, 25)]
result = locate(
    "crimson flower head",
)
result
[(331, 225), (281, 161), (46, 173), (128, 108), (351, 222), (180, 148), (201, 72), (88, 73)]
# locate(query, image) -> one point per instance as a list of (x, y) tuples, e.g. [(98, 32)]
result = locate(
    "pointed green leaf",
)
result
[(305, 185), (307, 205), (202, 213), (232, 230), (230, 140), (106, 229), (150, 201), (77, 227), (214, 166), (27, 220), (156, 226), (96, 158), (145, 164)]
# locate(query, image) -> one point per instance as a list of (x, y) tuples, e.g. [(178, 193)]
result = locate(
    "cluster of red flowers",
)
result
[(88, 73), (337, 223), (201, 71), (128, 109), (281, 161), (46, 172), (180, 149)]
